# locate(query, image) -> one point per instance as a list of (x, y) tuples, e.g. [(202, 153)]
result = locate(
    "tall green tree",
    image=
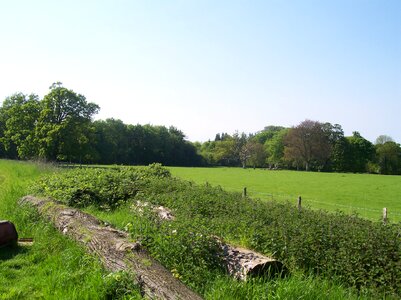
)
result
[(257, 154), (64, 125), (224, 152), (112, 141), (338, 147), (341, 156), (19, 114), (389, 158), (267, 133), (275, 148), (361, 151)]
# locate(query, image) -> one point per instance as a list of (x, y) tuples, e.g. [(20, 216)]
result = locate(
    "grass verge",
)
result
[(54, 267)]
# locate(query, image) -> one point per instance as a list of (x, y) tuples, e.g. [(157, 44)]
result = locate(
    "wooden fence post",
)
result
[(244, 192), (385, 215), (299, 203)]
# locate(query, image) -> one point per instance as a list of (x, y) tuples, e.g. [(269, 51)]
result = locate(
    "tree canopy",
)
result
[(60, 127)]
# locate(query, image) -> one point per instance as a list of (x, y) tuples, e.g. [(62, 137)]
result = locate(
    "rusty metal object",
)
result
[(8, 233)]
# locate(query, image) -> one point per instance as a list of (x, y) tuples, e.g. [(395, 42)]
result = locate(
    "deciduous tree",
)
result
[(19, 114), (307, 143), (275, 148), (389, 158), (64, 124), (361, 152)]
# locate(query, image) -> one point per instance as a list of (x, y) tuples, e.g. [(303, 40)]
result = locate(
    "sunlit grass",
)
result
[(365, 194), (294, 286), (54, 267), (82, 277)]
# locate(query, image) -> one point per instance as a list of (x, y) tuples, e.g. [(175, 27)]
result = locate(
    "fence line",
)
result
[(306, 200)]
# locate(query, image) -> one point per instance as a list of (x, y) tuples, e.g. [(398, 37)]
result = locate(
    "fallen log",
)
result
[(113, 248), (240, 263)]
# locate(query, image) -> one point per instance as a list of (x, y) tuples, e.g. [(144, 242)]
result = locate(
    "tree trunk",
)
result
[(239, 262), (242, 263), (114, 249)]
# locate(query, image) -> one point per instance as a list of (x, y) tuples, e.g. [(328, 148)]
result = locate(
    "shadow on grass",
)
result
[(9, 251), (270, 270)]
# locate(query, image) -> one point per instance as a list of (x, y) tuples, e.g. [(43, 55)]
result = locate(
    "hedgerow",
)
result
[(362, 254)]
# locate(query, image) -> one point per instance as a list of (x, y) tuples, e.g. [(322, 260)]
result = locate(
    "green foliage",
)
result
[(275, 148), (54, 267), (59, 127), (361, 152), (18, 115), (116, 142), (119, 285), (155, 170), (365, 194), (107, 188), (186, 248), (267, 133), (297, 286), (64, 125), (360, 253), (389, 158)]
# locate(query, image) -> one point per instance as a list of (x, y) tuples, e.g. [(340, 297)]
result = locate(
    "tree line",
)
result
[(311, 145), (60, 127)]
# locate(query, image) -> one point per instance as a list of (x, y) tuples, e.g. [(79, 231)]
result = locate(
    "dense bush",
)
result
[(358, 252), (104, 187)]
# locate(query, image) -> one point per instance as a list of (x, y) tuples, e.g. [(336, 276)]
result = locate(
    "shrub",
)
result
[(360, 253)]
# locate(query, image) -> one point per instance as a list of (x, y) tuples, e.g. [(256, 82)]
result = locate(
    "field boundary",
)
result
[(290, 198)]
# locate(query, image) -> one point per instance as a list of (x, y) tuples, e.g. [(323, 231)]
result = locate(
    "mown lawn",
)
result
[(365, 194)]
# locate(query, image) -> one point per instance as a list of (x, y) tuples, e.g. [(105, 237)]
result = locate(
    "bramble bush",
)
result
[(360, 253)]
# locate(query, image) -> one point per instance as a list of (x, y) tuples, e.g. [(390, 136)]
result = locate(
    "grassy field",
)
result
[(54, 267), (364, 194), (186, 245)]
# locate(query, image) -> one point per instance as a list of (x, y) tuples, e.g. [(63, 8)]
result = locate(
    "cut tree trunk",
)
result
[(114, 249), (242, 263)]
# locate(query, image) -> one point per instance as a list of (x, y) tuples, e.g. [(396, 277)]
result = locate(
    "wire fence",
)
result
[(306, 200)]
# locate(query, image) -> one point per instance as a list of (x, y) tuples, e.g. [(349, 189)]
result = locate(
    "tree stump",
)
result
[(114, 249)]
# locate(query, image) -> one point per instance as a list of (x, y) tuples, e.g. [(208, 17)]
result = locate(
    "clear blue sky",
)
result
[(213, 66)]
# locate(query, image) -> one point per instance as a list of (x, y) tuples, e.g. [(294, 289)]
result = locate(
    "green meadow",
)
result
[(55, 267), (363, 194)]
